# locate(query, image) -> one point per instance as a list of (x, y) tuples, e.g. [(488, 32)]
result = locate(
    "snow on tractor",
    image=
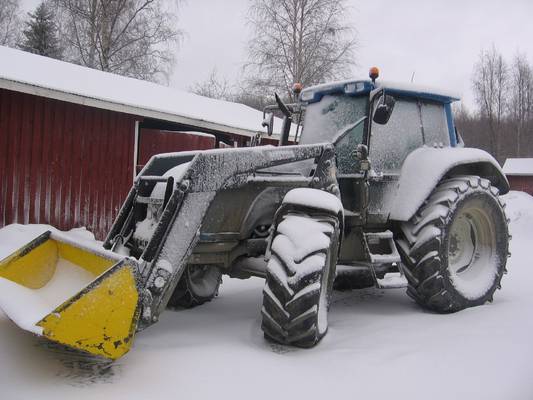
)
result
[(378, 191)]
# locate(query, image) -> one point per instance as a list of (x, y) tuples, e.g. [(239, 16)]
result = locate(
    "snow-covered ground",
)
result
[(380, 344)]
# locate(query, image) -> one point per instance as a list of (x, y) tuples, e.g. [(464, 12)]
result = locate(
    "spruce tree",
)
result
[(40, 33)]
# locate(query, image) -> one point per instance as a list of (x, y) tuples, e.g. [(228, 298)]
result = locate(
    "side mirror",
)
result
[(268, 122), (384, 109)]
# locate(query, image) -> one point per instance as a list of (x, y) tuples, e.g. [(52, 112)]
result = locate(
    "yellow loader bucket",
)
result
[(85, 298)]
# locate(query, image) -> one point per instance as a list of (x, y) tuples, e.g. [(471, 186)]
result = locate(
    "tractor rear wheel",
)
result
[(455, 248), (198, 285), (299, 278)]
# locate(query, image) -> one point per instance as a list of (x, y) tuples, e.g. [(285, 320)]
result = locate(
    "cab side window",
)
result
[(391, 143), (435, 124), (347, 163)]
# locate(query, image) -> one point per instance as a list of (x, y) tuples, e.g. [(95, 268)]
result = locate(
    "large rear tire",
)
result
[(455, 248), (198, 285), (299, 279)]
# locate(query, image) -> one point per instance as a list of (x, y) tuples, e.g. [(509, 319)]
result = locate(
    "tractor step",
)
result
[(381, 251), (382, 248), (149, 200), (392, 280)]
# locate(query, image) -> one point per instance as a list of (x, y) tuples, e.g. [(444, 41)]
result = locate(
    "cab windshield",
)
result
[(332, 115)]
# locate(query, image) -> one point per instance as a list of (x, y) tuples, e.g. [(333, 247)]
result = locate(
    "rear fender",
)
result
[(424, 168)]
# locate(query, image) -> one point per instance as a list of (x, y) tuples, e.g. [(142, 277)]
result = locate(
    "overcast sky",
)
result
[(437, 40)]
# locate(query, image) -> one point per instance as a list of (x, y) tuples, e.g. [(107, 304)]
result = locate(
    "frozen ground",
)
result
[(380, 344)]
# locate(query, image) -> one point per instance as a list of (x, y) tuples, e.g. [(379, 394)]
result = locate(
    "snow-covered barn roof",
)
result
[(518, 166), (29, 73)]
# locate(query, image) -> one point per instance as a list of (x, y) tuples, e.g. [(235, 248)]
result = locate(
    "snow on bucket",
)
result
[(82, 297)]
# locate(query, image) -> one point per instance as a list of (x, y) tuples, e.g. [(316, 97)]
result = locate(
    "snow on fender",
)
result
[(314, 198), (424, 168)]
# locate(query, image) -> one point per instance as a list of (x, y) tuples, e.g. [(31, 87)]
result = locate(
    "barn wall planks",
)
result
[(155, 141), (63, 164), (523, 183)]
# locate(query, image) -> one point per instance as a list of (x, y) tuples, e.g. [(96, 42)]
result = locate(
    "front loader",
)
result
[(378, 191), (168, 213)]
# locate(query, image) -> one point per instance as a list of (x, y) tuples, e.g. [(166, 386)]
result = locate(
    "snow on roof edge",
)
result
[(518, 166), (123, 108), (47, 77)]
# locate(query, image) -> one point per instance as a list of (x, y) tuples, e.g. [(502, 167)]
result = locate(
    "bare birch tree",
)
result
[(10, 22), (304, 41), (135, 38), (490, 83), (215, 87), (521, 97)]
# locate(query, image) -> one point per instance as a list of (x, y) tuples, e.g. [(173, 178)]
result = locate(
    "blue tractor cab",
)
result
[(366, 92)]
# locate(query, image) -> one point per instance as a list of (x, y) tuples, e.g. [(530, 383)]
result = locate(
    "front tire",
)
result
[(198, 285), (455, 248), (299, 279)]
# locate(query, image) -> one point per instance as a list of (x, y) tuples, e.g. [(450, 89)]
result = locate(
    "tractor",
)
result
[(377, 189)]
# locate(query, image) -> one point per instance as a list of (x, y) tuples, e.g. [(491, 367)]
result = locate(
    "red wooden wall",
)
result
[(522, 183), (63, 164), (155, 141), (267, 140)]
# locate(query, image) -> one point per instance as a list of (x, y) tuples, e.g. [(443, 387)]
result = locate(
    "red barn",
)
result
[(519, 172), (73, 138)]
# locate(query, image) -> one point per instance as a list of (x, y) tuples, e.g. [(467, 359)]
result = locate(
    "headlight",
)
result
[(354, 87)]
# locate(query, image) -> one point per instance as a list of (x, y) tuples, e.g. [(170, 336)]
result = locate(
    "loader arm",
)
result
[(165, 256), (95, 299)]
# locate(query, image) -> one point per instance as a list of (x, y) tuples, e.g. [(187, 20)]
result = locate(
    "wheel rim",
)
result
[(203, 280), (471, 252)]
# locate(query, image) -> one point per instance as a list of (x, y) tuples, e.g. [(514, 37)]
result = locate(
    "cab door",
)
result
[(354, 192), (412, 124)]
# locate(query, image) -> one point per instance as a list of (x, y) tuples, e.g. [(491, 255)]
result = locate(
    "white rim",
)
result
[(472, 252)]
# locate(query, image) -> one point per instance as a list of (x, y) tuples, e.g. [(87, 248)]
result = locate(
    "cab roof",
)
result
[(354, 87)]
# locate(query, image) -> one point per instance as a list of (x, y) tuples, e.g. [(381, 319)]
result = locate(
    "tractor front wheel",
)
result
[(198, 285), (299, 277)]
